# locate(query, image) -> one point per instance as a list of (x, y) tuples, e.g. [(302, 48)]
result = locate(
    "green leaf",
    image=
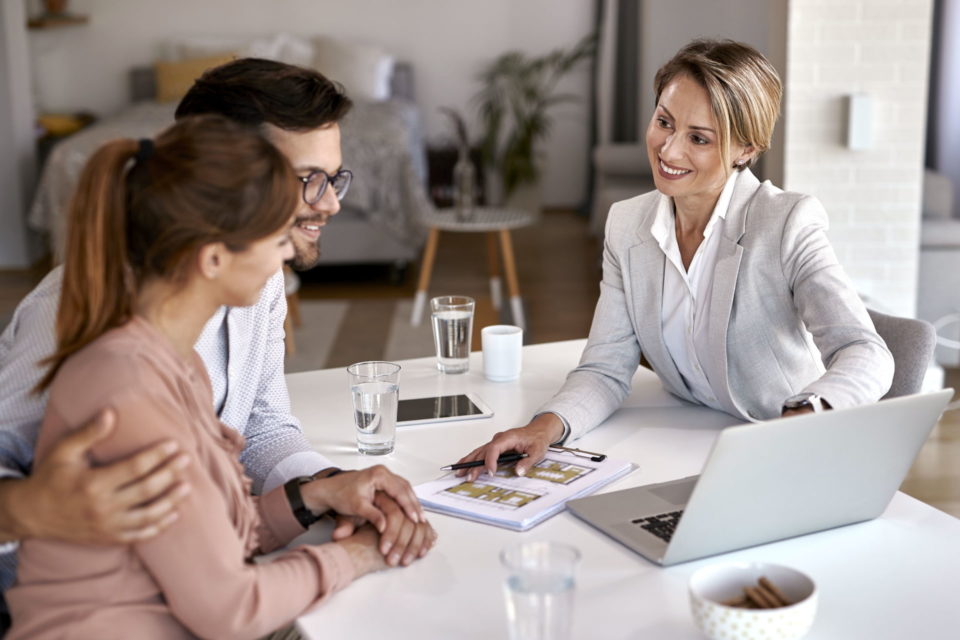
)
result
[(514, 102)]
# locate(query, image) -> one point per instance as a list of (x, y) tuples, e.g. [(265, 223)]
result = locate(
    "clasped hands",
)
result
[(137, 498), (378, 497)]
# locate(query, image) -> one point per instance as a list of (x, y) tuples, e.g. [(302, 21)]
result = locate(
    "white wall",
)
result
[(668, 25), (16, 135), (880, 48), (447, 41)]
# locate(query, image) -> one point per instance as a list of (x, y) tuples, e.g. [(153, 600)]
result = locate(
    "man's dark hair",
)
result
[(253, 91)]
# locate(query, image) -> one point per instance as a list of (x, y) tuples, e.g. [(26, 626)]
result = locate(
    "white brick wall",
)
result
[(880, 48)]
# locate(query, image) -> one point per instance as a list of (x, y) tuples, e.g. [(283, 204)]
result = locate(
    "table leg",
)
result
[(426, 268), (493, 266), (513, 285)]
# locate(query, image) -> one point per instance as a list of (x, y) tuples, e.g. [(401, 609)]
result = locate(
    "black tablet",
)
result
[(464, 406)]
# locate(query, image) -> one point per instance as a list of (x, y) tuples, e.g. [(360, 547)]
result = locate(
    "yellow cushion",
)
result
[(174, 79)]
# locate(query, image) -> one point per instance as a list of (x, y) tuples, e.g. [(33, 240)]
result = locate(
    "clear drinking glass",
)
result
[(375, 386), (452, 318), (539, 589)]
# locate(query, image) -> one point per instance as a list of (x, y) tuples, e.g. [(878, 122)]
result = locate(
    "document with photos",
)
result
[(520, 502)]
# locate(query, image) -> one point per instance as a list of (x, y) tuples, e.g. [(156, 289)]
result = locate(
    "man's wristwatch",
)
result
[(292, 488), (806, 400)]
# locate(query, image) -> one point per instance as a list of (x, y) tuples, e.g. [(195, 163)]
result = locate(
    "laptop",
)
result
[(773, 480)]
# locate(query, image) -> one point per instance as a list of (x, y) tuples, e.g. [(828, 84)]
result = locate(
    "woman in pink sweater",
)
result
[(163, 235)]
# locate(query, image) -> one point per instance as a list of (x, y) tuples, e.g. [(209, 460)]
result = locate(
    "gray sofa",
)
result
[(621, 171), (380, 220), (938, 290)]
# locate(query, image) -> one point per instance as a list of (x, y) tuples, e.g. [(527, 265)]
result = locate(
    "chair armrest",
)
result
[(621, 159)]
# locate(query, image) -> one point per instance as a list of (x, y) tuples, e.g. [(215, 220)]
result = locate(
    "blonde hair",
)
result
[(743, 86)]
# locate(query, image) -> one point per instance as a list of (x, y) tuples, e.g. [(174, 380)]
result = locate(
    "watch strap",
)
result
[(329, 472), (292, 489)]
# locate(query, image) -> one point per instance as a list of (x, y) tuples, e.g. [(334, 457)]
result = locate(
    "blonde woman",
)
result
[(727, 286)]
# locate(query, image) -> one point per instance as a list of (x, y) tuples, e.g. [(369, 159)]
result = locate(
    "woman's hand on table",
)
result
[(401, 542), (532, 439), (362, 547)]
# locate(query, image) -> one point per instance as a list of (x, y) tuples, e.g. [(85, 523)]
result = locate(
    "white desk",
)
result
[(895, 577)]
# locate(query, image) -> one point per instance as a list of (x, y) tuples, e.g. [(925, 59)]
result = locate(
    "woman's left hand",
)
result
[(402, 542)]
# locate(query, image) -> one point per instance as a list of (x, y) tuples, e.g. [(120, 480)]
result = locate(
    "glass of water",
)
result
[(374, 386), (452, 318), (539, 589)]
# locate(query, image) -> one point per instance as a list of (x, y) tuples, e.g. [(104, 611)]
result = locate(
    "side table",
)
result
[(495, 222)]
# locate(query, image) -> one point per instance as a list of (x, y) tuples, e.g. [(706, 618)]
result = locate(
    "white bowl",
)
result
[(712, 585)]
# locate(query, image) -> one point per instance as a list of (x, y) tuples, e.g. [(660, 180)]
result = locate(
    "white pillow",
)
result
[(282, 47), (190, 47), (362, 69)]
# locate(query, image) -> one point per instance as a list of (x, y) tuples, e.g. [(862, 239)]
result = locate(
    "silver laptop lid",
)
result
[(787, 477)]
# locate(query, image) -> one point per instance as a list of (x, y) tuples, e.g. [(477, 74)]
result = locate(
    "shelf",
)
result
[(53, 21)]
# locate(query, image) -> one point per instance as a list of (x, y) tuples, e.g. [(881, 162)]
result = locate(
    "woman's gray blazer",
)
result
[(785, 319)]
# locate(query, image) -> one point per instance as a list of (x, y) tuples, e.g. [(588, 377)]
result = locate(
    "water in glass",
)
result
[(539, 607), (375, 414), (451, 335)]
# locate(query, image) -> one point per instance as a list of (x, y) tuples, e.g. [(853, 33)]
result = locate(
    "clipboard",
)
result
[(522, 502)]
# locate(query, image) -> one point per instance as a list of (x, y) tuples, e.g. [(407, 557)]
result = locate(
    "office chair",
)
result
[(912, 343)]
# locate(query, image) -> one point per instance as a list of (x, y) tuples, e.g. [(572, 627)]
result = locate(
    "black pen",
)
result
[(506, 457)]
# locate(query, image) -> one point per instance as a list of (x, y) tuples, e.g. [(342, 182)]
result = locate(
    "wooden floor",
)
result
[(559, 271)]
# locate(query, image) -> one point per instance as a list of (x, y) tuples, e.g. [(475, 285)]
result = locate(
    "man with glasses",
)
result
[(64, 497)]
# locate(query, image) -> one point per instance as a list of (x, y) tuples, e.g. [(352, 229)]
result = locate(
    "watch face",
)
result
[(800, 400), (810, 401)]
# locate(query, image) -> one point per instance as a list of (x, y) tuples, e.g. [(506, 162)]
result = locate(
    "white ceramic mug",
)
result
[(502, 347)]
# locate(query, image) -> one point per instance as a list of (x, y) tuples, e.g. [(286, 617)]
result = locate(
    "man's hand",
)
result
[(532, 439), (402, 542), (66, 499), (353, 493)]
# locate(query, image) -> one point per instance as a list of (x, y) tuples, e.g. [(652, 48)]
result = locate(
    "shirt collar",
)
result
[(663, 223)]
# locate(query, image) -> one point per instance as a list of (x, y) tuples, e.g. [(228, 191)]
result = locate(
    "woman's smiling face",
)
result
[(683, 143)]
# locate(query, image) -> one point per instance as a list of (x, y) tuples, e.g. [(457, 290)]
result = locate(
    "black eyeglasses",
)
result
[(316, 183)]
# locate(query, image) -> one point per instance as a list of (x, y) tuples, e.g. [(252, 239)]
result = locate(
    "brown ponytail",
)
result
[(206, 180), (97, 293)]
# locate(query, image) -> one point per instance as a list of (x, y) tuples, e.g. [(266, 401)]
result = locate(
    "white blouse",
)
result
[(685, 314)]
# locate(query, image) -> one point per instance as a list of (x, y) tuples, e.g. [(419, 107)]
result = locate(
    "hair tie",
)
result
[(144, 150)]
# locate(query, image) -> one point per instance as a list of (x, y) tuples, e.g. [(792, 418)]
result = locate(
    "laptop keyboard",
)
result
[(662, 525)]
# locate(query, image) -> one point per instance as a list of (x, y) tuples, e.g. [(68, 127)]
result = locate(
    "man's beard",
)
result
[(306, 257)]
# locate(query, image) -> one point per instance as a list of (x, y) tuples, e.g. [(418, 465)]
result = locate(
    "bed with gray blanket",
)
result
[(382, 144)]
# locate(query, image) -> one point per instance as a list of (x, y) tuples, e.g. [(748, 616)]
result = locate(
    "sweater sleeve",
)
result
[(278, 525), (200, 562)]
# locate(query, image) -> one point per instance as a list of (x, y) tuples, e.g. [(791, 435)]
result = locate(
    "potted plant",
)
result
[(514, 105)]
